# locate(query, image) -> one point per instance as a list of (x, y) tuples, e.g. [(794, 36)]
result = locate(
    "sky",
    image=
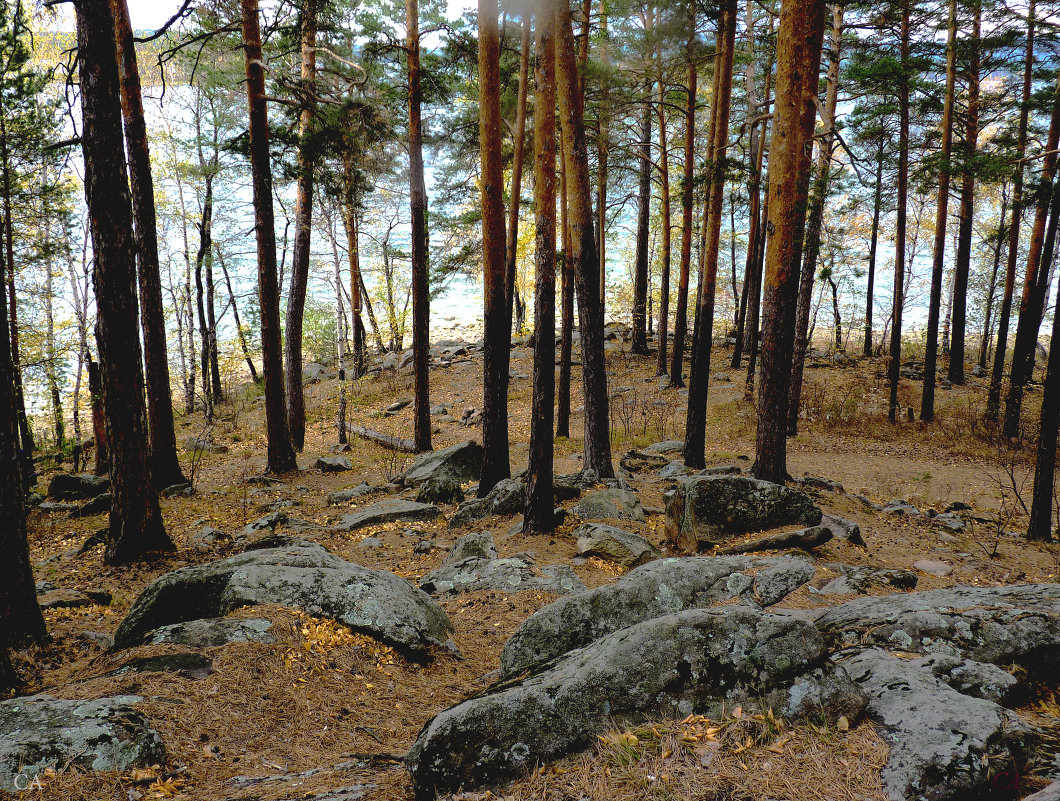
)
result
[(152, 13)]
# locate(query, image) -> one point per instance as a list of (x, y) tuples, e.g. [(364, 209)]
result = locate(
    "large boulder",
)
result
[(474, 564), (671, 666), (77, 486), (508, 497), (703, 511), (39, 732), (614, 545), (388, 511), (302, 576), (944, 744), (658, 588), (612, 503), (461, 463), (1018, 624)]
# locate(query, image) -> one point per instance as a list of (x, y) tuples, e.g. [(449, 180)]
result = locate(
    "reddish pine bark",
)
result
[(497, 331), (799, 44)]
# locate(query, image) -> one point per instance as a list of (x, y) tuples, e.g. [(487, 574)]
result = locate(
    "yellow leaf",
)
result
[(843, 724)]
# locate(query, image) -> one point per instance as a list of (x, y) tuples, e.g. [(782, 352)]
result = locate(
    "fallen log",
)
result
[(386, 440), (806, 539)]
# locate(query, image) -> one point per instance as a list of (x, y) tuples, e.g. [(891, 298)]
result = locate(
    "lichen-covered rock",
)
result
[(77, 486), (662, 587), (977, 679), (461, 463), (474, 564), (508, 497), (858, 580), (668, 666), (333, 464), (303, 576), (843, 529), (641, 461), (612, 503), (440, 488), (944, 744), (387, 511), (1017, 624), (704, 510), (614, 545), (782, 578), (39, 731), (210, 632)]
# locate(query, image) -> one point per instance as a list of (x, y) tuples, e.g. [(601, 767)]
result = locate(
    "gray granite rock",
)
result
[(610, 504), (668, 666), (105, 734), (474, 564), (614, 545), (387, 511), (210, 632), (703, 511), (658, 588), (304, 576)]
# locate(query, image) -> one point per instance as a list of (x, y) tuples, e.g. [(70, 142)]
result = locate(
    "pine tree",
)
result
[(136, 526)]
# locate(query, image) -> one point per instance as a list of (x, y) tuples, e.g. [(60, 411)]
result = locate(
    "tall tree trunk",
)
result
[(665, 219), (747, 330), (353, 250), (136, 527), (379, 344), (753, 328), (988, 315), (895, 364), (239, 325), (303, 229), (421, 302), (497, 325), (963, 262), (1040, 526), (583, 253), (681, 313), (640, 269), (874, 237), (815, 220), (511, 291), (20, 616), (539, 516), (927, 403), (696, 419), (50, 354), (602, 147), (1031, 303), (281, 458), (164, 461), (799, 43), (211, 318), (29, 473), (566, 324), (754, 193), (99, 418), (203, 299)]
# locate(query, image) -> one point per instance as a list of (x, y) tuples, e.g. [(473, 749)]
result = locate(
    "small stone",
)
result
[(932, 567)]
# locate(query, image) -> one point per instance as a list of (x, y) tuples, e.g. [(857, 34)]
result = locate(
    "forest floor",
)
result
[(298, 717)]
